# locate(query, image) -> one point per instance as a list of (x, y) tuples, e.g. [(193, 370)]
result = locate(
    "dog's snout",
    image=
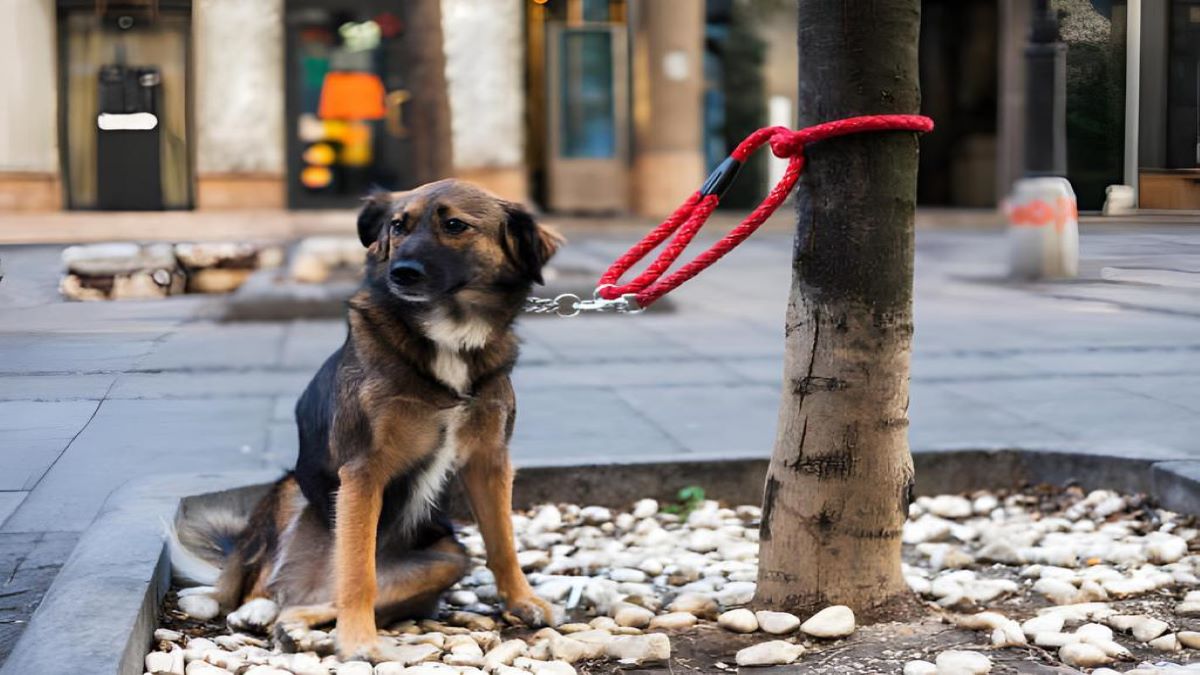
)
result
[(407, 272)]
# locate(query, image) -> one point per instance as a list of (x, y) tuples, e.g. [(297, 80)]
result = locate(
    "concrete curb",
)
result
[(103, 606), (100, 611)]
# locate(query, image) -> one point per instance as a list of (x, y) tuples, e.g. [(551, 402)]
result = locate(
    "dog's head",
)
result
[(451, 242)]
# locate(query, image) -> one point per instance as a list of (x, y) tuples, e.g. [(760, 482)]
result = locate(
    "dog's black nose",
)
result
[(407, 272)]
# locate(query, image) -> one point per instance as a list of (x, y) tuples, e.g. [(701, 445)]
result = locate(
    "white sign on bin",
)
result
[(1043, 229)]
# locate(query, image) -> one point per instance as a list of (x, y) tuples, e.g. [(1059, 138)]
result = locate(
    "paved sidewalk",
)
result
[(94, 394)]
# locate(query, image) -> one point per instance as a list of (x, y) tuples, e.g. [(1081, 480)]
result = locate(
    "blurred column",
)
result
[(1014, 34), (1046, 95), (668, 92), (484, 47), (29, 172), (239, 103)]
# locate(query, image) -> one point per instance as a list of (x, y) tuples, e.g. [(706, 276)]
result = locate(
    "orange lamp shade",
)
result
[(351, 96)]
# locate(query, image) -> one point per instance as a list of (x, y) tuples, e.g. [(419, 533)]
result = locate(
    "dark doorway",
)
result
[(960, 65), (346, 90)]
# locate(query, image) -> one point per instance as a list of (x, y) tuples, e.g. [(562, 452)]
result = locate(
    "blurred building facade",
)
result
[(588, 106)]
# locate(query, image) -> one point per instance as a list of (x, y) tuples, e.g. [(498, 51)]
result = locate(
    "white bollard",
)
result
[(1043, 229)]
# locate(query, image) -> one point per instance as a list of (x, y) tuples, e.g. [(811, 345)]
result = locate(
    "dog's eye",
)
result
[(455, 226), (400, 224)]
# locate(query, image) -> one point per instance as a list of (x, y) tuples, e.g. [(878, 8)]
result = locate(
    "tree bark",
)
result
[(427, 114), (841, 476)]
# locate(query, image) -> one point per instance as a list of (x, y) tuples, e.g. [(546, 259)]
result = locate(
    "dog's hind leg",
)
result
[(410, 583)]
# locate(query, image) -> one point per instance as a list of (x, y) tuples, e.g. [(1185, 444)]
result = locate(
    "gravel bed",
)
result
[(1039, 581)]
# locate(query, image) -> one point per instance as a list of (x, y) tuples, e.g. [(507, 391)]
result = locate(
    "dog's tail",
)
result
[(200, 543)]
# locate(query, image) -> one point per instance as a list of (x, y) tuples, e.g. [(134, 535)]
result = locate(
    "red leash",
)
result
[(687, 220)]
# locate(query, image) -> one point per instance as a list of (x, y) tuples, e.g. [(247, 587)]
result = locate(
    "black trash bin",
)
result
[(129, 139)]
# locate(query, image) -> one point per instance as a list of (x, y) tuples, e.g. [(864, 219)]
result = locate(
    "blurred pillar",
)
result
[(1133, 69), (484, 62), (1046, 95), (1014, 34), (29, 167), (668, 96), (239, 103)]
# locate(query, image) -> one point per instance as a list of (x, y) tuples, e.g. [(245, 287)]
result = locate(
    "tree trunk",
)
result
[(427, 114), (840, 478)]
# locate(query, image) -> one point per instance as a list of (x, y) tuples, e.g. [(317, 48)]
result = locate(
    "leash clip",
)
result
[(624, 304), (568, 305)]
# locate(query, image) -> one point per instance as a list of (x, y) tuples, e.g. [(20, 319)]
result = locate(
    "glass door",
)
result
[(345, 102), (588, 130)]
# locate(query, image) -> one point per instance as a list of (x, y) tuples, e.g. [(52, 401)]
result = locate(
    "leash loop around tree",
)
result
[(686, 221)]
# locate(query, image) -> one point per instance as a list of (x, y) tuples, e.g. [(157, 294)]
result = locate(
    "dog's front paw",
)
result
[(534, 611)]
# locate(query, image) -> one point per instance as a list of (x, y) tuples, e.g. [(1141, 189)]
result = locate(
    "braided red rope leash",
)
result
[(687, 220)]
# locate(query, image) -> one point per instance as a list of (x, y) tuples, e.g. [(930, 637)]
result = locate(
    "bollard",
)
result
[(1043, 229)]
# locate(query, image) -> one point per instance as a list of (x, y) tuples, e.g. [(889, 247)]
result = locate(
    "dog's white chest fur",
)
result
[(452, 338), (433, 474)]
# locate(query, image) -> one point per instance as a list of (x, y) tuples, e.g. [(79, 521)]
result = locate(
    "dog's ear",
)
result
[(528, 245), (373, 215)]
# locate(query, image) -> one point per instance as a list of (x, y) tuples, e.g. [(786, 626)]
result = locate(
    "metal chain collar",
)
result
[(569, 304)]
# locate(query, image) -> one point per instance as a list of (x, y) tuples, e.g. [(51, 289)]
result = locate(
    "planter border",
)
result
[(103, 606)]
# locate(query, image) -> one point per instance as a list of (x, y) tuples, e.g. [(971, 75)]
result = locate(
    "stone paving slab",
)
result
[(33, 434), (77, 386), (700, 417), (210, 384), (9, 501), (74, 352), (226, 346), (29, 563), (131, 438)]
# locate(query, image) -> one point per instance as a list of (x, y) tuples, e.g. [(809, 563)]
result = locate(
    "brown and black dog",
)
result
[(420, 390)]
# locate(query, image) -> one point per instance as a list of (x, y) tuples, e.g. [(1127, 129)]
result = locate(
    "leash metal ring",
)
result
[(571, 305), (596, 293)]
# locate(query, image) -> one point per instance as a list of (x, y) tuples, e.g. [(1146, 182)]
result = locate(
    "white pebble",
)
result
[(645, 508), (674, 621), (1083, 655), (698, 604), (199, 607), (165, 663), (773, 653), (777, 623), (1145, 628), (638, 649), (832, 622), (595, 515), (1189, 638), (962, 662), (633, 616), (504, 653), (1165, 643), (1047, 623), (950, 506), (920, 668), (738, 621)]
